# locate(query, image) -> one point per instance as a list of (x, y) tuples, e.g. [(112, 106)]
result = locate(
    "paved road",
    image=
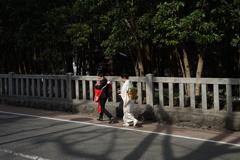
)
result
[(24, 137)]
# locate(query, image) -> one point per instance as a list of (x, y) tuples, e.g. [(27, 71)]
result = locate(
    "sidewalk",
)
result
[(228, 137)]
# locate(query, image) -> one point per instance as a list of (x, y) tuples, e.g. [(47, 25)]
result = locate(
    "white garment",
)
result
[(127, 102)]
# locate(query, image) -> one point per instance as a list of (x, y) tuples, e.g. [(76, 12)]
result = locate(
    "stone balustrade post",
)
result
[(69, 86), (10, 83), (149, 89)]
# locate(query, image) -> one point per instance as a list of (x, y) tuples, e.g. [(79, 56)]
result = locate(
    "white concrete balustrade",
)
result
[(162, 91)]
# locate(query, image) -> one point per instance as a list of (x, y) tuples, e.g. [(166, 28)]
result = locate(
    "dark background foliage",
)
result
[(172, 38)]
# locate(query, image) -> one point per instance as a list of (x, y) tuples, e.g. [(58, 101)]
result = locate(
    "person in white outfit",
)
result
[(128, 103)]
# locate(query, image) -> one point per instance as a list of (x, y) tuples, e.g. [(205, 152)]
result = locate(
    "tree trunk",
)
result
[(238, 64), (19, 60), (180, 61), (187, 71), (140, 62), (110, 64), (133, 60), (131, 25), (186, 64), (69, 62), (199, 72), (174, 65), (149, 63)]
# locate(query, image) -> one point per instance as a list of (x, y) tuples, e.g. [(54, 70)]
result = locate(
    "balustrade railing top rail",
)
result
[(224, 81), (214, 93)]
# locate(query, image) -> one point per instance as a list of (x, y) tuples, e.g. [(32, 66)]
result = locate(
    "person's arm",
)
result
[(124, 94), (102, 84)]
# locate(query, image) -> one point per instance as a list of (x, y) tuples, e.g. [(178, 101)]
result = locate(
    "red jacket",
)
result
[(97, 96)]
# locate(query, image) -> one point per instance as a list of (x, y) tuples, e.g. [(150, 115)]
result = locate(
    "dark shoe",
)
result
[(111, 120), (100, 119)]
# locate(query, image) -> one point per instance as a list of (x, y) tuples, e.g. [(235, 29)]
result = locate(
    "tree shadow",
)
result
[(72, 139)]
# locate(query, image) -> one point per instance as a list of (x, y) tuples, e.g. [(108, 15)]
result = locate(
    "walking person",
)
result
[(128, 103), (102, 85)]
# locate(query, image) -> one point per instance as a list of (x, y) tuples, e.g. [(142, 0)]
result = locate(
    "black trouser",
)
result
[(103, 110)]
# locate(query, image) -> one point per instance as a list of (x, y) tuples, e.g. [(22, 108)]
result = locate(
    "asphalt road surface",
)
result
[(24, 137)]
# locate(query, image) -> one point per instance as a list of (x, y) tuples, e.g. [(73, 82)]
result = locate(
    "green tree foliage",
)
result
[(193, 30), (183, 37)]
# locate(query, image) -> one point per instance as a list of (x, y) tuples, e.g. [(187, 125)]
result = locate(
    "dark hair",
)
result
[(100, 74), (125, 76)]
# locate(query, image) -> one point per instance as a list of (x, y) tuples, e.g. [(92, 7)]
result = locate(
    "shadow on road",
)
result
[(72, 140)]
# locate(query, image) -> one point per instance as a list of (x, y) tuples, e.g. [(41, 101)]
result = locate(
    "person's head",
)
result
[(100, 76), (124, 77)]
